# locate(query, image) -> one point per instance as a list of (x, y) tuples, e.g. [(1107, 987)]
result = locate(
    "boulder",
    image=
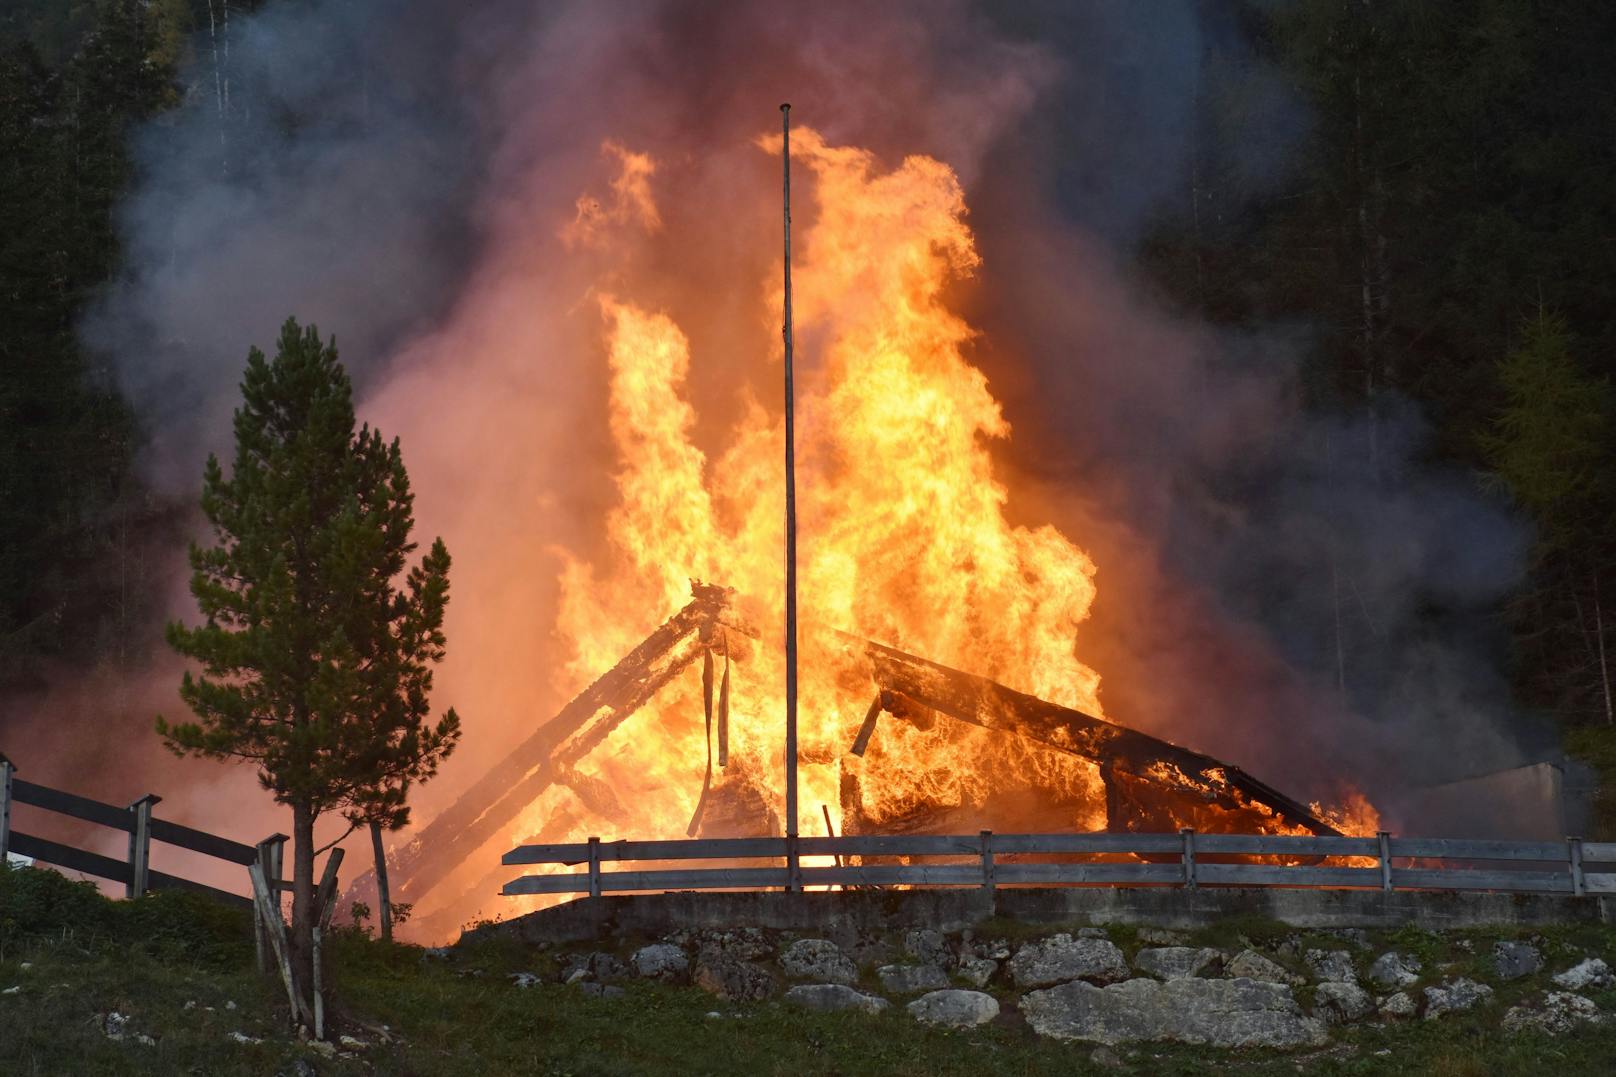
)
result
[(929, 947), (599, 990), (993, 949), (819, 960), (1455, 996), (1177, 962), (599, 966), (660, 961), (1060, 958), (1590, 974), (834, 997), (1250, 965), (911, 979), (1331, 966), (1222, 1013), (1160, 936), (741, 943), (1513, 960), (976, 971), (1337, 1003), (1398, 1007), (524, 979), (1393, 970), (728, 978), (954, 1008), (1555, 1014)]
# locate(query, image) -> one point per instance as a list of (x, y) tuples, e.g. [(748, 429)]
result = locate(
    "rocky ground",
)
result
[(1125, 986)]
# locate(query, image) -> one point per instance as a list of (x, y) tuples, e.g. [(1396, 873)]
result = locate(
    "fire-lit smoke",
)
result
[(547, 239)]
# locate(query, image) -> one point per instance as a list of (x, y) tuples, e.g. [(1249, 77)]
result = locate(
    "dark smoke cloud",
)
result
[(385, 171)]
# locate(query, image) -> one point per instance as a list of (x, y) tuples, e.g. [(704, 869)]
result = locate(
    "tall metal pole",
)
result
[(793, 878)]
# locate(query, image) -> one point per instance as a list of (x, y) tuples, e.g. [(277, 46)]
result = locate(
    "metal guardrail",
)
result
[(1184, 859)]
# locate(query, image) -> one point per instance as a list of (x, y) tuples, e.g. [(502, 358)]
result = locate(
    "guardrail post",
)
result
[(793, 864), (1188, 834), (7, 769), (1574, 855), (140, 845), (987, 861), (594, 867), (1385, 839)]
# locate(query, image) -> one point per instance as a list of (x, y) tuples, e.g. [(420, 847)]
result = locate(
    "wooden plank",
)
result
[(1097, 842), (269, 913), (1114, 874), (895, 874), (625, 881), (93, 811), (8, 775), (1599, 883), (894, 845), (1279, 875), (1474, 849), (65, 856), (1285, 845), (157, 880), (200, 841), (1549, 882), (1599, 852), (673, 849)]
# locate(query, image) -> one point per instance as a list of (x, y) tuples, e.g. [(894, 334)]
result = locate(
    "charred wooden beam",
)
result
[(1115, 748), (491, 804)]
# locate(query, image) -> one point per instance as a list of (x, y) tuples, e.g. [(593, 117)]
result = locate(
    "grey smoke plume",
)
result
[(393, 171)]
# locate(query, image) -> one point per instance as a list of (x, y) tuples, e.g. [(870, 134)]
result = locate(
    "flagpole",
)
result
[(793, 871)]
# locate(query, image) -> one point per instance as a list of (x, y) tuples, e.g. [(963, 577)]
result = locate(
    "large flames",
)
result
[(905, 537)]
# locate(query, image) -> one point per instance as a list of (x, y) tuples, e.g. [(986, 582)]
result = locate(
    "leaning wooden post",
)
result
[(7, 770), (1384, 837), (269, 913), (594, 867), (325, 898), (987, 861), (1188, 834), (1579, 885), (140, 845), (269, 865)]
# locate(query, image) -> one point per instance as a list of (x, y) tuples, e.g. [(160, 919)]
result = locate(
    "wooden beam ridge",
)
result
[(499, 796), (982, 702)]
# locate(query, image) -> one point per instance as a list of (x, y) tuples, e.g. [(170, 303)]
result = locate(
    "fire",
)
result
[(905, 534)]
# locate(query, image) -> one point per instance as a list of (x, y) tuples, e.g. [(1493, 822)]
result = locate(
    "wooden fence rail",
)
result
[(134, 871), (1184, 859)]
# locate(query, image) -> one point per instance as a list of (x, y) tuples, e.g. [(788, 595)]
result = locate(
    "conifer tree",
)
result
[(319, 640)]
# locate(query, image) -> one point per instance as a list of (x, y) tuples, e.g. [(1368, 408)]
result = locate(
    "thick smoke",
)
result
[(397, 174)]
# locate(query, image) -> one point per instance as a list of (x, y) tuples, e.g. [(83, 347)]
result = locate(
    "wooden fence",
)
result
[(1184, 859), (135, 871)]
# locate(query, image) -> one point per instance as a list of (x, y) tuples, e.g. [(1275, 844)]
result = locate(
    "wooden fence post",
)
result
[(270, 914), (269, 865), (1385, 839), (7, 769), (594, 867), (1188, 834), (987, 861), (140, 845), (325, 899), (1574, 855)]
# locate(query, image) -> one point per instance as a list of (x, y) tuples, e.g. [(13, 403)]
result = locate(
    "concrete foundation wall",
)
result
[(841, 913)]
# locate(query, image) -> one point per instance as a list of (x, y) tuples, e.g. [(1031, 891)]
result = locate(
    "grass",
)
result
[(149, 958)]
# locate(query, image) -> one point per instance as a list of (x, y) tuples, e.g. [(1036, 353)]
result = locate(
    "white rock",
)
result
[(911, 979), (1455, 996), (1177, 962), (1223, 1013), (352, 1044), (1060, 958), (977, 971), (12, 990), (1341, 1003), (1250, 965), (242, 1037), (1591, 973), (1393, 970), (834, 997), (1331, 966), (1160, 936), (955, 1008), (1557, 1013), (819, 960), (660, 961), (929, 947), (1398, 1007), (229, 1004), (524, 979)]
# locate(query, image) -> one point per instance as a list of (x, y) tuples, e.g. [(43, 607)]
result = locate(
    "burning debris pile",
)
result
[(1150, 784)]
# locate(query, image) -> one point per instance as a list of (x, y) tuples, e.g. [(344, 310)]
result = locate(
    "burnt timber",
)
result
[(911, 686)]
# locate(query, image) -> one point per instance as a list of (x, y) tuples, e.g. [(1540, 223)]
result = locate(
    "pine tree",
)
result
[(318, 642)]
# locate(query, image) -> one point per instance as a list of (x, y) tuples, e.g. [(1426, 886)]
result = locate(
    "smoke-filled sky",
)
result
[(401, 174)]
